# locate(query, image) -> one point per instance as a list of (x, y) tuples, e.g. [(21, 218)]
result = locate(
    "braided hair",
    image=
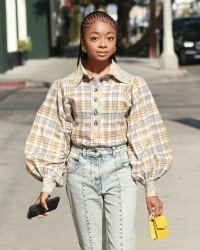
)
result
[(86, 22)]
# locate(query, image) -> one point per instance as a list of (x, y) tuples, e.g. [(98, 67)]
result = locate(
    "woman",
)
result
[(103, 123)]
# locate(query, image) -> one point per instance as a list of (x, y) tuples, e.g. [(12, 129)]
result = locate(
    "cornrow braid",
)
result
[(86, 22)]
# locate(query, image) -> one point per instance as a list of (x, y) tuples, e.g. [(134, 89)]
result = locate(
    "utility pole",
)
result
[(168, 59)]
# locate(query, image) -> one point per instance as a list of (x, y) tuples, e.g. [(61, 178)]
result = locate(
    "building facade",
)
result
[(23, 19)]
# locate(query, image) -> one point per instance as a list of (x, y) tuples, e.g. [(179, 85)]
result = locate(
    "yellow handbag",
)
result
[(158, 227)]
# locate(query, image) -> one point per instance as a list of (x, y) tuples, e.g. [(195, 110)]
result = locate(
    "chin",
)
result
[(102, 58)]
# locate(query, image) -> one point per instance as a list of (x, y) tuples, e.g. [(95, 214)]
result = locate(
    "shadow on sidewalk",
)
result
[(189, 122)]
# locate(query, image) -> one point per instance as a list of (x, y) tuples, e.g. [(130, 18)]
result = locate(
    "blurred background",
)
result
[(37, 29), (157, 40)]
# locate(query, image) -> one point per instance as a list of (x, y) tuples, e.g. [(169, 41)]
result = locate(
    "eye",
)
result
[(111, 38), (94, 38)]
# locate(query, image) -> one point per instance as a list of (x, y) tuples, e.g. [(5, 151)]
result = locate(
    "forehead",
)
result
[(100, 25)]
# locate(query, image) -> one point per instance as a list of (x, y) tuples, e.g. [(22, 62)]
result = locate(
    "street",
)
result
[(179, 105)]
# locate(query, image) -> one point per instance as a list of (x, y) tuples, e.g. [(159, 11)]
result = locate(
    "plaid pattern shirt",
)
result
[(118, 108)]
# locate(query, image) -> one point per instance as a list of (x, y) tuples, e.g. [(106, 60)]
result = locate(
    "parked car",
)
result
[(177, 25), (187, 44)]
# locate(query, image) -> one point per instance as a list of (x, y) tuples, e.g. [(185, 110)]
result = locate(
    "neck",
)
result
[(96, 68)]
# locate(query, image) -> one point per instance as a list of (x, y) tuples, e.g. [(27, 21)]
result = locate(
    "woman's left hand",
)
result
[(154, 204)]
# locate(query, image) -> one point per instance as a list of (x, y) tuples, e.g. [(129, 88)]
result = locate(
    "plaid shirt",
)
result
[(116, 109)]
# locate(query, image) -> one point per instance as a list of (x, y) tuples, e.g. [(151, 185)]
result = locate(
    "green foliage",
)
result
[(24, 45), (75, 19), (63, 40)]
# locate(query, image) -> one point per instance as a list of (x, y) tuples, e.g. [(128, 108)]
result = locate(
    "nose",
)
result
[(102, 43)]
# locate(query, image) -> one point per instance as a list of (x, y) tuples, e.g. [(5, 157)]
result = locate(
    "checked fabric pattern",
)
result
[(116, 109)]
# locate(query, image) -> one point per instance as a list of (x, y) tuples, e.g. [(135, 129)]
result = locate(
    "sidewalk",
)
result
[(42, 72), (179, 189)]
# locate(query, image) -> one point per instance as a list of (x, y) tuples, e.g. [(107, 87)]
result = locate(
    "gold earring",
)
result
[(83, 49), (115, 50)]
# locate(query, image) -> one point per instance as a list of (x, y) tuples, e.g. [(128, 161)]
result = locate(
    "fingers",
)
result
[(154, 204), (158, 209), (42, 199), (43, 215)]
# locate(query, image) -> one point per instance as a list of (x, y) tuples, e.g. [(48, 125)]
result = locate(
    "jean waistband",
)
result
[(95, 151)]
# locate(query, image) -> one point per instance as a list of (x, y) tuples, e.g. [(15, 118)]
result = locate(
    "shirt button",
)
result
[(96, 99), (96, 89), (96, 112), (96, 123)]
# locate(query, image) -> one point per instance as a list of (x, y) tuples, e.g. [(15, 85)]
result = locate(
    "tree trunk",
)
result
[(124, 8), (152, 27)]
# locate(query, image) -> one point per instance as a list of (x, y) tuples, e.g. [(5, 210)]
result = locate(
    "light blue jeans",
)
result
[(102, 197)]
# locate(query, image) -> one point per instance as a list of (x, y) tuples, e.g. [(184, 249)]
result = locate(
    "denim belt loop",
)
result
[(113, 151), (84, 151)]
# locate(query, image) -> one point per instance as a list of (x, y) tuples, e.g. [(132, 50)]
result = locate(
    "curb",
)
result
[(23, 84), (13, 84), (31, 84)]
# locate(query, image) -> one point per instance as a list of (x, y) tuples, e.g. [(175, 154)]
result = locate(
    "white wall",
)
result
[(22, 19), (56, 21), (11, 26)]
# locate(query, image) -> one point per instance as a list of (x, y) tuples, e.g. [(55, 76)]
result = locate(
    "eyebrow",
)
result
[(97, 33)]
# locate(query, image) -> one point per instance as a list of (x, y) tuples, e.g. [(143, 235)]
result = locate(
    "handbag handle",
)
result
[(152, 216)]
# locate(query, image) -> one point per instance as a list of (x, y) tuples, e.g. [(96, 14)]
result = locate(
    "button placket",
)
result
[(95, 122), (95, 97)]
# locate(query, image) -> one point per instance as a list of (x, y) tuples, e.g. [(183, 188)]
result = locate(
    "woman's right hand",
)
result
[(43, 197)]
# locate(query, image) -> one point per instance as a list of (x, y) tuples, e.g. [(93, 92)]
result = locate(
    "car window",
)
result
[(179, 23), (192, 31)]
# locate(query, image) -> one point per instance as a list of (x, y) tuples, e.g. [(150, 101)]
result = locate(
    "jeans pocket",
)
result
[(73, 162), (123, 160)]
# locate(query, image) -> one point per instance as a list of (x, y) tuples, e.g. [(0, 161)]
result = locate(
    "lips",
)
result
[(102, 53)]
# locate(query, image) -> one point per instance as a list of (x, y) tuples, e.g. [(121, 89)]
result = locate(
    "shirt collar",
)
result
[(115, 71)]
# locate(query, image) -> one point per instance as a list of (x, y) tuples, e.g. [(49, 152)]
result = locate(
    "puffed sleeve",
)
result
[(149, 149), (48, 144)]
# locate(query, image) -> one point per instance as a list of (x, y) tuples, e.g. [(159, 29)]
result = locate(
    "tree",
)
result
[(124, 8), (149, 37), (152, 28)]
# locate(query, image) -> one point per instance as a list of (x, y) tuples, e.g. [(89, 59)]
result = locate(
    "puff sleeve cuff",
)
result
[(150, 189), (48, 186)]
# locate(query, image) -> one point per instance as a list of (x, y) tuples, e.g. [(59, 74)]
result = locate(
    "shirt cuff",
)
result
[(48, 185), (150, 189)]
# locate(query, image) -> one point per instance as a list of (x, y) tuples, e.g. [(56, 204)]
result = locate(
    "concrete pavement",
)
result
[(42, 72), (179, 189)]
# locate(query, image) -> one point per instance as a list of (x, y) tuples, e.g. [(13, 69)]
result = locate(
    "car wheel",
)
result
[(182, 58)]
